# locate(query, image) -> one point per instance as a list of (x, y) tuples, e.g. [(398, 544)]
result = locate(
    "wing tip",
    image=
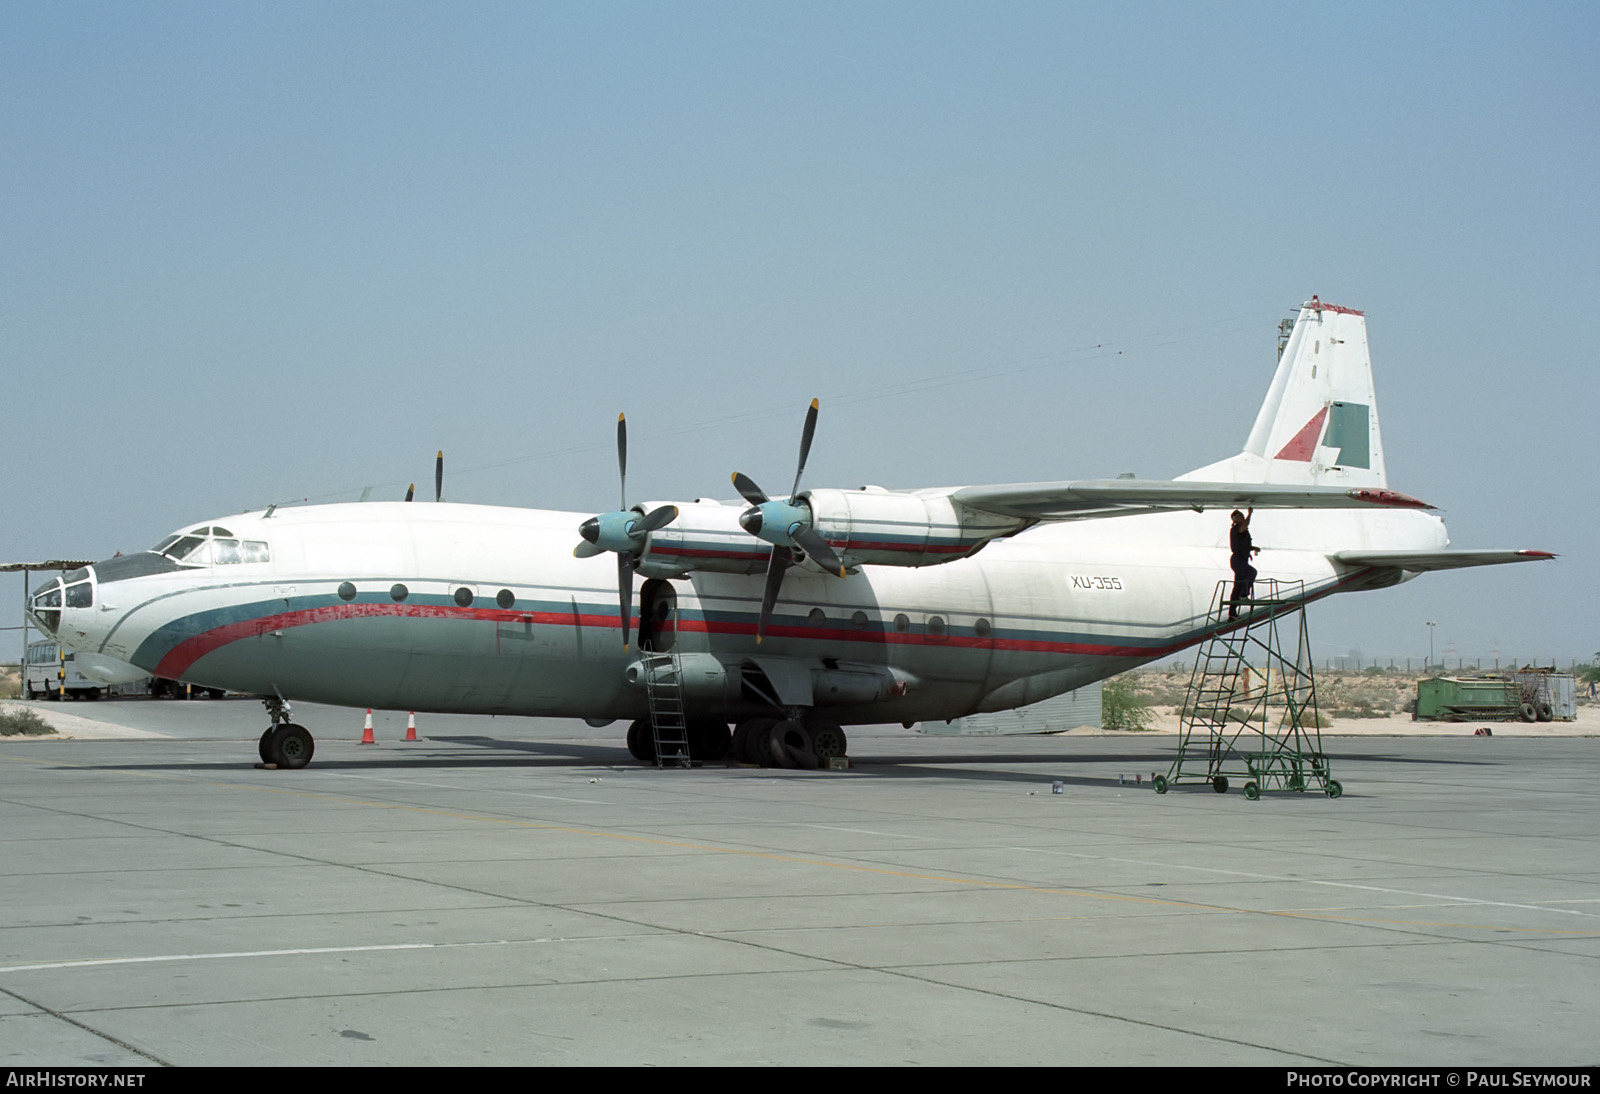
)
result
[(1392, 498)]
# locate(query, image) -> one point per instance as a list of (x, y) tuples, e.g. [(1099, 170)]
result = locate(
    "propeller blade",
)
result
[(777, 562), (747, 488), (586, 549), (812, 543), (622, 458), (438, 477), (411, 491), (805, 446), (657, 518), (625, 596)]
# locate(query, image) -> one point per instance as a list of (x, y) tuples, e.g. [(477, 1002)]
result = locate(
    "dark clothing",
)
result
[(1244, 574), (1244, 580), (1239, 546)]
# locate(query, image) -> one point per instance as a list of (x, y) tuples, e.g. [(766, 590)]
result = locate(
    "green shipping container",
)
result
[(1453, 698)]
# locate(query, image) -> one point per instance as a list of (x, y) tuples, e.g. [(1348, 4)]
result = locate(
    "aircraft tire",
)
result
[(1545, 712), (709, 740), (265, 748), (291, 746), (828, 739), (792, 745), (1528, 711), (750, 741), (641, 742)]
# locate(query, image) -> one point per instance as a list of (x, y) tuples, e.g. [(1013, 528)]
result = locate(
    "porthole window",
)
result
[(936, 625), (464, 597), (817, 617), (902, 622), (397, 593), (347, 591), (505, 598), (983, 628), (859, 621)]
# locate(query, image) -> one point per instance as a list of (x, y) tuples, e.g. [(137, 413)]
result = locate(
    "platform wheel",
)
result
[(1252, 791), (1220, 784), (1334, 789), (1160, 783)]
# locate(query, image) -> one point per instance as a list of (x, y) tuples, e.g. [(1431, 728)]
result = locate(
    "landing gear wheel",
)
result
[(792, 745), (1219, 784), (751, 741), (266, 745), (827, 740), (709, 740), (642, 741), (1252, 791), (1334, 789), (1160, 784), (291, 746)]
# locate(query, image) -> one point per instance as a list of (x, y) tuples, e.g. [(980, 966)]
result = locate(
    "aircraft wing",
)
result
[(1091, 498), (1419, 561)]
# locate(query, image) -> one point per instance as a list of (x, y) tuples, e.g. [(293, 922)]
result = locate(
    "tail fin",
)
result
[(1319, 423)]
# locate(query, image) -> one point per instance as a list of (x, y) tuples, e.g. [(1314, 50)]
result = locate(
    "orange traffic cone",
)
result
[(366, 734), (411, 726)]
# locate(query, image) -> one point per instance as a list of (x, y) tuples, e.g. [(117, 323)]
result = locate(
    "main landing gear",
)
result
[(797, 741), (284, 744)]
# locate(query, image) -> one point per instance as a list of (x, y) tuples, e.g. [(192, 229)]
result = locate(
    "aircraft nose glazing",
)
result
[(45, 607), (74, 589)]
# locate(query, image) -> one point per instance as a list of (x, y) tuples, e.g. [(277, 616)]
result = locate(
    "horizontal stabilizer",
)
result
[(1419, 561), (1091, 498)]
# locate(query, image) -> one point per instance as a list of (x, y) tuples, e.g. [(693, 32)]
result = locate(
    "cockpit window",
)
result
[(185, 547), (211, 545)]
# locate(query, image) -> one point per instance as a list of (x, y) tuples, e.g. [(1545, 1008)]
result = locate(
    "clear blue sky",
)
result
[(257, 253)]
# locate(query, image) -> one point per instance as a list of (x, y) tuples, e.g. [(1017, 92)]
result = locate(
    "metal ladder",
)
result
[(669, 726), (1251, 707)]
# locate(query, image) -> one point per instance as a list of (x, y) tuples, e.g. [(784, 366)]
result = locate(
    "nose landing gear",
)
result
[(284, 744)]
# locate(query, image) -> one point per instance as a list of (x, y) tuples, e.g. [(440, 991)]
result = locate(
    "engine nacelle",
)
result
[(877, 527), (706, 536)]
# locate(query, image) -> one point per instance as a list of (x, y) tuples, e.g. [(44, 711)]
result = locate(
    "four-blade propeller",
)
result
[(785, 524), (622, 531)]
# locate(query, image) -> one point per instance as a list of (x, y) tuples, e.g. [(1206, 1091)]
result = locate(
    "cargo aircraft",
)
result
[(789, 617)]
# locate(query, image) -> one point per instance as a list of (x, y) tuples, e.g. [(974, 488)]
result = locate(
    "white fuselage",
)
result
[(484, 609)]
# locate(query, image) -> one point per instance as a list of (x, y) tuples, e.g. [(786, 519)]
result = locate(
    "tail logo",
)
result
[(1347, 429)]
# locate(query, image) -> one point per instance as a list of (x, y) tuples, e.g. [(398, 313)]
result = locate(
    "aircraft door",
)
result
[(658, 615)]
